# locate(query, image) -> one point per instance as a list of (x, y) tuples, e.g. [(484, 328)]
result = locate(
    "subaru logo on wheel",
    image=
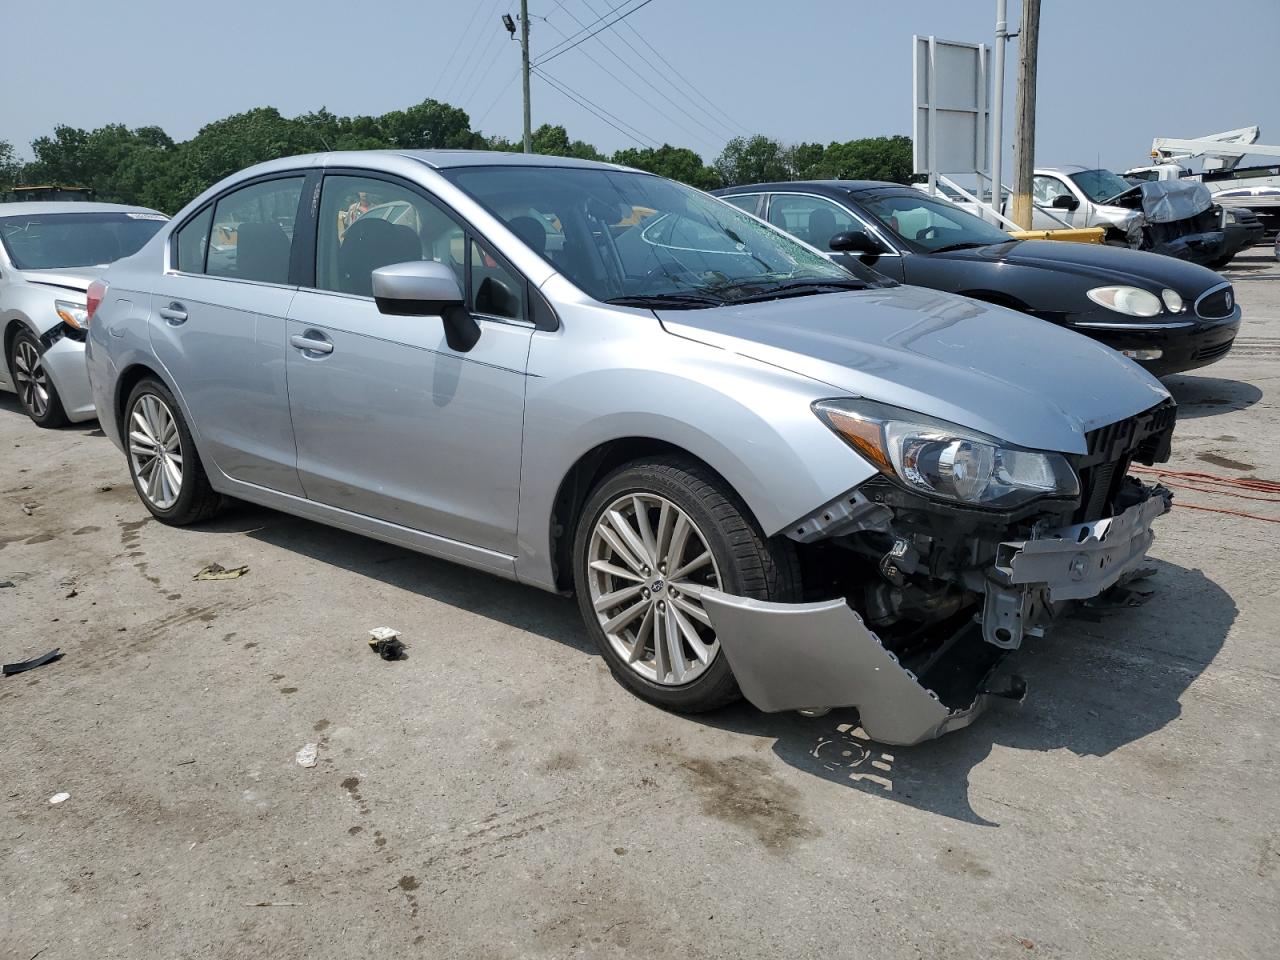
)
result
[(658, 585)]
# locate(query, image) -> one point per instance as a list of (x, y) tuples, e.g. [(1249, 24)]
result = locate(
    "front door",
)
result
[(816, 220), (218, 327), (390, 422)]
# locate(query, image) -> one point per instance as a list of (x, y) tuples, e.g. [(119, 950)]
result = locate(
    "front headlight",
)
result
[(942, 460), (72, 314), (1133, 301), (1172, 299)]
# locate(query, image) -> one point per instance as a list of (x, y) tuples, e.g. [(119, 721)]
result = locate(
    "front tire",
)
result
[(164, 465), (36, 392), (651, 537)]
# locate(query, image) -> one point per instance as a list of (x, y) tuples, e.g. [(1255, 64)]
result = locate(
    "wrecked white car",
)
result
[(760, 472)]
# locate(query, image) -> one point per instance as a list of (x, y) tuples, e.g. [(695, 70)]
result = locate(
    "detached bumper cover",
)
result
[(64, 362), (795, 656)]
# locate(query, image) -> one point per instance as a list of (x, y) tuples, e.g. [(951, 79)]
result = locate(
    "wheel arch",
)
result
[(129, 378), (583, 476)]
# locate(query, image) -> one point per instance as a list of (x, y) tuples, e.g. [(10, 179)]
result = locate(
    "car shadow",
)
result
[(1094, 686), (10, 404), (1209, 396)]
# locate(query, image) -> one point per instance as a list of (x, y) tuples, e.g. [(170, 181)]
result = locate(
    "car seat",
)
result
[(371, 243)]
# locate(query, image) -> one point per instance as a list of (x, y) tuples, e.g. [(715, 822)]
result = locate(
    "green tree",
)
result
[(554, 141), (428, 125), (805, 161), (676, 163), (10, 167), (758, 159), (873, 158)]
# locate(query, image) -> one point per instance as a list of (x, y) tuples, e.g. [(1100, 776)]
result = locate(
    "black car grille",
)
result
[(1207, 354), (1216, 304), (1145, 437)]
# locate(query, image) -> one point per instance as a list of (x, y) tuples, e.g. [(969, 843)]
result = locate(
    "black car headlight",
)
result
[(940, 459)]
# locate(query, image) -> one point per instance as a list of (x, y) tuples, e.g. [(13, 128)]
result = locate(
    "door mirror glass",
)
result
[(1064, 201), (424, 288), (855, 241)]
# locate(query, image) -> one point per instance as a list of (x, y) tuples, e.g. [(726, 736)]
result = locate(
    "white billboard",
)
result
[(951, 121)]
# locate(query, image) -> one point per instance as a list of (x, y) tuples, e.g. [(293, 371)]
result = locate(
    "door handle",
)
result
[(175, 314), (308, 345)]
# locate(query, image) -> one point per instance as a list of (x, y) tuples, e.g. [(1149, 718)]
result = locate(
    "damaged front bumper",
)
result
[(813, 656)]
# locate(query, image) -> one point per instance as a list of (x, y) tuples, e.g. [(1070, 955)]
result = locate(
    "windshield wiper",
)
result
[(675, 301), (963, 245), (796, 288)]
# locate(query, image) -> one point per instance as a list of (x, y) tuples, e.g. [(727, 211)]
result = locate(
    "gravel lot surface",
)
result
[(498, 795)]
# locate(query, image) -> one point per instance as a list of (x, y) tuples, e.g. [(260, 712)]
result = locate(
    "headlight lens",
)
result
[(73, 314), (1134, 301), (1172, 300), (942, 460)]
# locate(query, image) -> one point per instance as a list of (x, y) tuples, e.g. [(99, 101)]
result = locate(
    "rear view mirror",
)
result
[(1064, 201), (855, 241), (424, 288)]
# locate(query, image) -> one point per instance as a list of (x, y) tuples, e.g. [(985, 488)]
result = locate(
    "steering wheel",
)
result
[(928, 233)]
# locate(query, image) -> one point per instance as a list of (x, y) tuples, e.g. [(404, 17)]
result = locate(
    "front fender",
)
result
[(749, 421)]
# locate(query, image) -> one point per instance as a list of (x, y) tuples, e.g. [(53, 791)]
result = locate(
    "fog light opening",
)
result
[(1150, 354)]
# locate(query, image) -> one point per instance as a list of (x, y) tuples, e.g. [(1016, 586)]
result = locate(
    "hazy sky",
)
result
[(1112, 74)]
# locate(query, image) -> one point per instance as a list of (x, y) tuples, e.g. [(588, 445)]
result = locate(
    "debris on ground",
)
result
[(29, 508), (308, 756), (74, 593), (59, 797), (385, 642), (5, 583), (216, 571), (1029, 944), (11, 668)]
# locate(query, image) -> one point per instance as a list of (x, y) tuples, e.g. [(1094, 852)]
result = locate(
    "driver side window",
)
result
[(1045, 189), (812, 219)]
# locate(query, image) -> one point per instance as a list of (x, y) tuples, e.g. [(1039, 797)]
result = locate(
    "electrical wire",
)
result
[(549, 57), (489, 109), (649, 103), (468, 60), (727, 130), (489, 58), (631, 133), (475, 13), (556, 46)]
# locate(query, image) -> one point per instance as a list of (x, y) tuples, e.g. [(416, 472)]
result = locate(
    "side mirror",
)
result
[(855, 241), (1064, 201), (424, 288)]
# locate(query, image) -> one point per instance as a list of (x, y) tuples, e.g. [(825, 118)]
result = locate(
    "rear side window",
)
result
[(812, 219), (193, 240), (252, 234)]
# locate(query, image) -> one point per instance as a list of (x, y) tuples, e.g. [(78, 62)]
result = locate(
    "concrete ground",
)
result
[(498, 795)]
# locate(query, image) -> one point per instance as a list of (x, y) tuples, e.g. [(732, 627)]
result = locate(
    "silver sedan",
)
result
[(50, 254), (761, 474)]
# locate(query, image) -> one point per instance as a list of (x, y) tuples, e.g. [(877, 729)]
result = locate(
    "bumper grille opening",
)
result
[(1205, 354)]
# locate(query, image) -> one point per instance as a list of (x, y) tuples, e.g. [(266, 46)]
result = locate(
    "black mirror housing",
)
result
[(855, 241), (1064, 201)]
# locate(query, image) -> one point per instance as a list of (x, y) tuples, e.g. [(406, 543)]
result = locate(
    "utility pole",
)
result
[(997, 108), (524, 65), (1024, 146)]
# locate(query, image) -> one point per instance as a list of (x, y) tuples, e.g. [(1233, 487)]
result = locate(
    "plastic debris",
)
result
[(308, 756), (29, 508), (59, 797), (385, 642), (216, 571), (24, 665)]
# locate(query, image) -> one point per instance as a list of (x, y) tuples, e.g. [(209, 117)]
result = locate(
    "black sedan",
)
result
[(1167, 314)]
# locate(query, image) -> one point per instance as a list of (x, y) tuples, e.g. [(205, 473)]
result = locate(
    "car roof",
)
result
[(1066, 168), (834, 187), (27, 208), (442, 159)]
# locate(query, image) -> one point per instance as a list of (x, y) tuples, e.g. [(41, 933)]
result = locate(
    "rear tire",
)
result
[(36, 392), (162, 457), (692, 674)]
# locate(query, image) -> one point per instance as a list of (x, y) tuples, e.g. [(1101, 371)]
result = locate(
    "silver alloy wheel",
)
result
[(648, 564), (32, 381), (155, 451)]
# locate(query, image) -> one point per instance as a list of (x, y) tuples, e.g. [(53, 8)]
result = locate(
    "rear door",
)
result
[(218, 327), (391, 422)]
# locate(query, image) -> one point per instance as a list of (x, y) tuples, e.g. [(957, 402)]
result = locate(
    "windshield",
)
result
[(47, 241), (639, 239), (1099, 185), (931, 222)]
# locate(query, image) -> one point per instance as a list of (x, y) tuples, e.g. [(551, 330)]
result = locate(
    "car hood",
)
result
[(1098, 261), (974, 364), (72, 278)]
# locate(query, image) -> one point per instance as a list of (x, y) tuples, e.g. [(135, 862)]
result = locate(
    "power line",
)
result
[(632, 134), (732, 124), (488, 58), (560, 4), (480, 34), (693, 133), (461, 39), (489, 109), (606, 26)]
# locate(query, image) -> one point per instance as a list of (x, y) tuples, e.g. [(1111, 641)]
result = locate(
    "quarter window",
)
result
[(812, 219), (252, 235), (749, 202)]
